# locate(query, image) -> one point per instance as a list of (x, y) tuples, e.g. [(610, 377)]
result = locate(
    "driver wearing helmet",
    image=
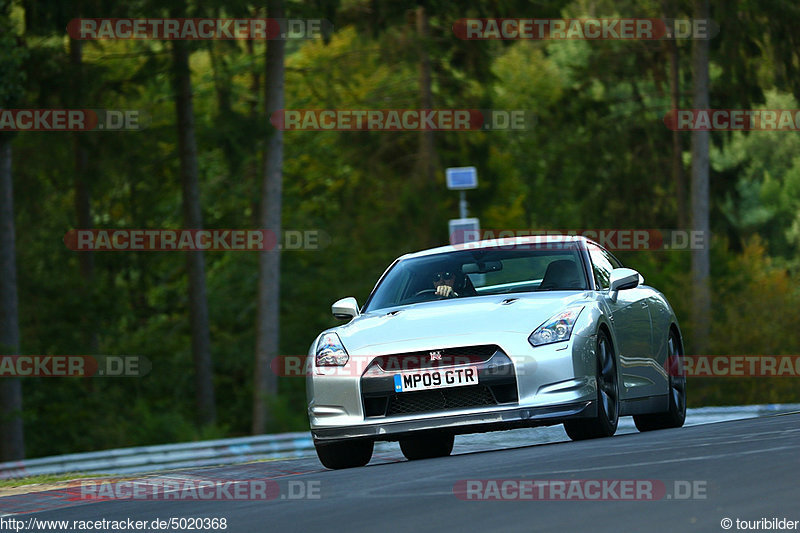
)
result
[(443, 282)]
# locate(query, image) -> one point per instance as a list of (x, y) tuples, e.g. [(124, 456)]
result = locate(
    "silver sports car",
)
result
[(494, 335)]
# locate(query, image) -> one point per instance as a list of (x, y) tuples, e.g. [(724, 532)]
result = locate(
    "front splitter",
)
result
[(460, 424)]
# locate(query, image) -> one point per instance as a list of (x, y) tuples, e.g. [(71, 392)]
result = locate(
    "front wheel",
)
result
[(605, 423), (427, 446), (345, 454), (675, 416)]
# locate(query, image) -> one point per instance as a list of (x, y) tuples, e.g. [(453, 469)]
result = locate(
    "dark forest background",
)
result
[(599, 156)]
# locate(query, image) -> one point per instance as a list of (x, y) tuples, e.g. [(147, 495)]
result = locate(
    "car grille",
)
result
[(448, 357), (438, 400), (497, 384)]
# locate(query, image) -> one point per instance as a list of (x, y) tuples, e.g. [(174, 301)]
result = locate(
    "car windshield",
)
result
[(479, 272)]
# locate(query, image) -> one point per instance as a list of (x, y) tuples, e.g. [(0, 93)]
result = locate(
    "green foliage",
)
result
[(757, 316), (12, 57), (766, 198)]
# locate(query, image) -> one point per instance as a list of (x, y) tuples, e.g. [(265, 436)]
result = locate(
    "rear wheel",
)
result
[(346, 454), (427, 445), (605, 423), (675, 416)]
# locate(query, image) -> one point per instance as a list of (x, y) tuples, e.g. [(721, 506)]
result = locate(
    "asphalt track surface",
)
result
[(744, 469)]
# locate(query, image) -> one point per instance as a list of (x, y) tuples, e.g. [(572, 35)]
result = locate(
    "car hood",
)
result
[(521, 313)]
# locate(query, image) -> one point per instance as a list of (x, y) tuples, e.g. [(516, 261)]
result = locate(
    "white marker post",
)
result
[(461, 179)]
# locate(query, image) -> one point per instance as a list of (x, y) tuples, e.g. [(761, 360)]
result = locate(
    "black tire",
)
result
[(605, 423), (675, 415), (345, 454), (427, 445)]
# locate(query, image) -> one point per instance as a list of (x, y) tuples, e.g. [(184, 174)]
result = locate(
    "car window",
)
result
[(481, 272), (525, 273), (602, 266)]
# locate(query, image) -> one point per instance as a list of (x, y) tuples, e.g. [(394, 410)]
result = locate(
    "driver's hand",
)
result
[(445, 291)]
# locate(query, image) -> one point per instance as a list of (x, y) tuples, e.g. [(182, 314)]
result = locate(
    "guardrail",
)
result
[(242, 449), (165, 456)]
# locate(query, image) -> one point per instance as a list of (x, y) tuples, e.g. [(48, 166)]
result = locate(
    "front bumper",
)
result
[(463, 423), (554, 382)]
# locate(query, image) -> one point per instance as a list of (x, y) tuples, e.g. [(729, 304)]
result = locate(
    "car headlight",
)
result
[(557, 328), (330, 351)]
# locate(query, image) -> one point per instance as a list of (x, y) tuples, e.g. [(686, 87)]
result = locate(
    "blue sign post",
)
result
[(462, 178)]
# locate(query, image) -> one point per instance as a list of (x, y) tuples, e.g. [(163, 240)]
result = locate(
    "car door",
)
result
[(630, 315)]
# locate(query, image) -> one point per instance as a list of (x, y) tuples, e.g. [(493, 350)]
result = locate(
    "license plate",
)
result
[(436, 379)]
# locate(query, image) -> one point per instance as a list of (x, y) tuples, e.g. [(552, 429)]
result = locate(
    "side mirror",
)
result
[(622, 279), (345, 308)]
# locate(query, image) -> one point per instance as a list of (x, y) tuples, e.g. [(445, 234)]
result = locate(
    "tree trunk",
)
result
[(426, 162), (252, 170), (12, 442), (701, 263), (427, 155), (678, 175), (82, 201), (192, 219), (269, 265)]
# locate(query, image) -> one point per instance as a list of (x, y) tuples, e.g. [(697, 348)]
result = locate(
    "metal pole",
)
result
[(462, 203)]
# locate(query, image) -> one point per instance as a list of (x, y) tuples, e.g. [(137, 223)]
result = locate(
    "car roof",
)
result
[(498, 243)]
